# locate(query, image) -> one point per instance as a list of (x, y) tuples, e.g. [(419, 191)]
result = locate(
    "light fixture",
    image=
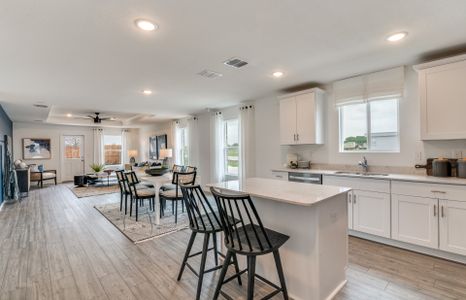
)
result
[(146, 25), (396, 36), (147, 92), (277, 74), (69, 115)]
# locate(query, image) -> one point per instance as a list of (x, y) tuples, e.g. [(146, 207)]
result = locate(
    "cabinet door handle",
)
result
[(435, 210), (354, 199), (294, 137), (442, 212), (440, 192), (349, 198), (297, 136)]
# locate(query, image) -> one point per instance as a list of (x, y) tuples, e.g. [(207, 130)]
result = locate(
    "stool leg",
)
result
[(226, 263), (202, 268), (278, 263), (214, 240), (176, 211), (235, 262), (130, 205), (137, 208), (126, 204), (121, 201), (188, 250), (251, 276)]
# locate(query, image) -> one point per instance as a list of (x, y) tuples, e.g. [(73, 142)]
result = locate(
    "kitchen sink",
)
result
[(361, 173)]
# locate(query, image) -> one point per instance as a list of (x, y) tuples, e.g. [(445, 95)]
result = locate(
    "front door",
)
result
[(72, 156)]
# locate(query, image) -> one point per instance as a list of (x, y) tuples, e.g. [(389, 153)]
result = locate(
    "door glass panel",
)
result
[(73, 147)]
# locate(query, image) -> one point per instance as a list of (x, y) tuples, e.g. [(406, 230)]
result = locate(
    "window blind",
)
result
[(373, 86)]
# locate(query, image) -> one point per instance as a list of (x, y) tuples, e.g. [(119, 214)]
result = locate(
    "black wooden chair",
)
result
[(247, 237), (175, 195), (138, 195), (204, 219), (124, 190)]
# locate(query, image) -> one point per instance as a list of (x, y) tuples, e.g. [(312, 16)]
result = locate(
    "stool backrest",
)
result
[(202, 215), (239, 207)]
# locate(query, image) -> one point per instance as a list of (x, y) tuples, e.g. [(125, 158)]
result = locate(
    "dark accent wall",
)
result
[(6, 126)]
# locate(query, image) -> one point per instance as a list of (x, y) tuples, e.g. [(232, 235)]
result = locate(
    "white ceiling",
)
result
[(88, 54)]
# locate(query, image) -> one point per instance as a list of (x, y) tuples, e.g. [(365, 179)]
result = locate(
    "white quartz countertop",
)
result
[(282, 191), (397, 177)]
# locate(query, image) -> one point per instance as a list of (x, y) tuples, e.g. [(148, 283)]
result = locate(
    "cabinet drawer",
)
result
[(357, 183), (441, 191), (280, 175)]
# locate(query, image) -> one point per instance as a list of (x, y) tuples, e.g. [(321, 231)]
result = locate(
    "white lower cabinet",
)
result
[(350, 210), (415, 220), (452, 216), (371, 212)]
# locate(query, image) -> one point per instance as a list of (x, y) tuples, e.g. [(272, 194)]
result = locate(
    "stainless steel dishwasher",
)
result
[(305, 177)]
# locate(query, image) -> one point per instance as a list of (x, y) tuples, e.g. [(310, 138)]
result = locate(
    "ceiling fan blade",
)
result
[(106, 118)]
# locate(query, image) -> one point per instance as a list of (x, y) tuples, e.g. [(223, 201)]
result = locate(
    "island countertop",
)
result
[(296, 193)]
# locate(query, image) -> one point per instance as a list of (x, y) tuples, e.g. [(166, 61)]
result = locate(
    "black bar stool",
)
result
[(247, 237), (202, 219)]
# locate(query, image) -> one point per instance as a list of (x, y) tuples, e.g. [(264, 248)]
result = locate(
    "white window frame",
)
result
[(180, 151), (121, 152), (368, 124), (225, 149)]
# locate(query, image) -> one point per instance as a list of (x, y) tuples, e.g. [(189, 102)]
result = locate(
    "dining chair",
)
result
[(138, 195), (203, 219), (247, 237), (175, 194)]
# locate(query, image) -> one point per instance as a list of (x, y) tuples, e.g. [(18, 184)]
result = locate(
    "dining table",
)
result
[(158, 182)]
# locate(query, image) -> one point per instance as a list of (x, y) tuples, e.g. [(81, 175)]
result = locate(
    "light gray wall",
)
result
[(54, 132)]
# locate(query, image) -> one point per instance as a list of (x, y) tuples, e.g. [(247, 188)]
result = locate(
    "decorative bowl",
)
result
[(156, 171)]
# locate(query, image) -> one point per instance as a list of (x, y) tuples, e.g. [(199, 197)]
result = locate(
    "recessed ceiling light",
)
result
[(147, 92), (146, 25), (277, 74), (69, 115), (396, 36)]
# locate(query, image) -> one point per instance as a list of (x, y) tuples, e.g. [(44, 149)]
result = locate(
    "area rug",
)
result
[(144, 229), (94, 190)]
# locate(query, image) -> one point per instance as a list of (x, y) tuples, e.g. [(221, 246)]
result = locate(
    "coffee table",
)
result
[(95, 177)]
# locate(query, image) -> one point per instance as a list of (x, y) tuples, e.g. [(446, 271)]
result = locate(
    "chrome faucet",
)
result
[(363, 163)]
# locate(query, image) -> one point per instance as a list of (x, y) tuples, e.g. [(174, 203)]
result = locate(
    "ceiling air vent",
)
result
[(39, 105), (235, 62), (209, 74)]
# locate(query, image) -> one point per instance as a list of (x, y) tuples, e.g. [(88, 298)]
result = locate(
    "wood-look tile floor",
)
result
[(56, 246)]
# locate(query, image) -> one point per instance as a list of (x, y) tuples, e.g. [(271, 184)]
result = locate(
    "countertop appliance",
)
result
[(305, 177)]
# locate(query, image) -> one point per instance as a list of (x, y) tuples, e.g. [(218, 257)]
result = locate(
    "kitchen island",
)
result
[(315, 217)]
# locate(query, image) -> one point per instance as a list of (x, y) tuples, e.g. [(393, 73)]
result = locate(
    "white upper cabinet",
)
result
[(442, 92), (302, 118)]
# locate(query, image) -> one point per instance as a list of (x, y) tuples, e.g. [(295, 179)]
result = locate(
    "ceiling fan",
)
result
[(97, 119)]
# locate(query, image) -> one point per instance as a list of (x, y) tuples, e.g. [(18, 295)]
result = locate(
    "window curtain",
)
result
[(247, 164), (124, 147), (177, 125), (193, 141), (368, 87), (217, 137), (98, 146)]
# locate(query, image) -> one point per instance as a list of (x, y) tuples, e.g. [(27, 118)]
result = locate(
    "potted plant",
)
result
[(97, 168)]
